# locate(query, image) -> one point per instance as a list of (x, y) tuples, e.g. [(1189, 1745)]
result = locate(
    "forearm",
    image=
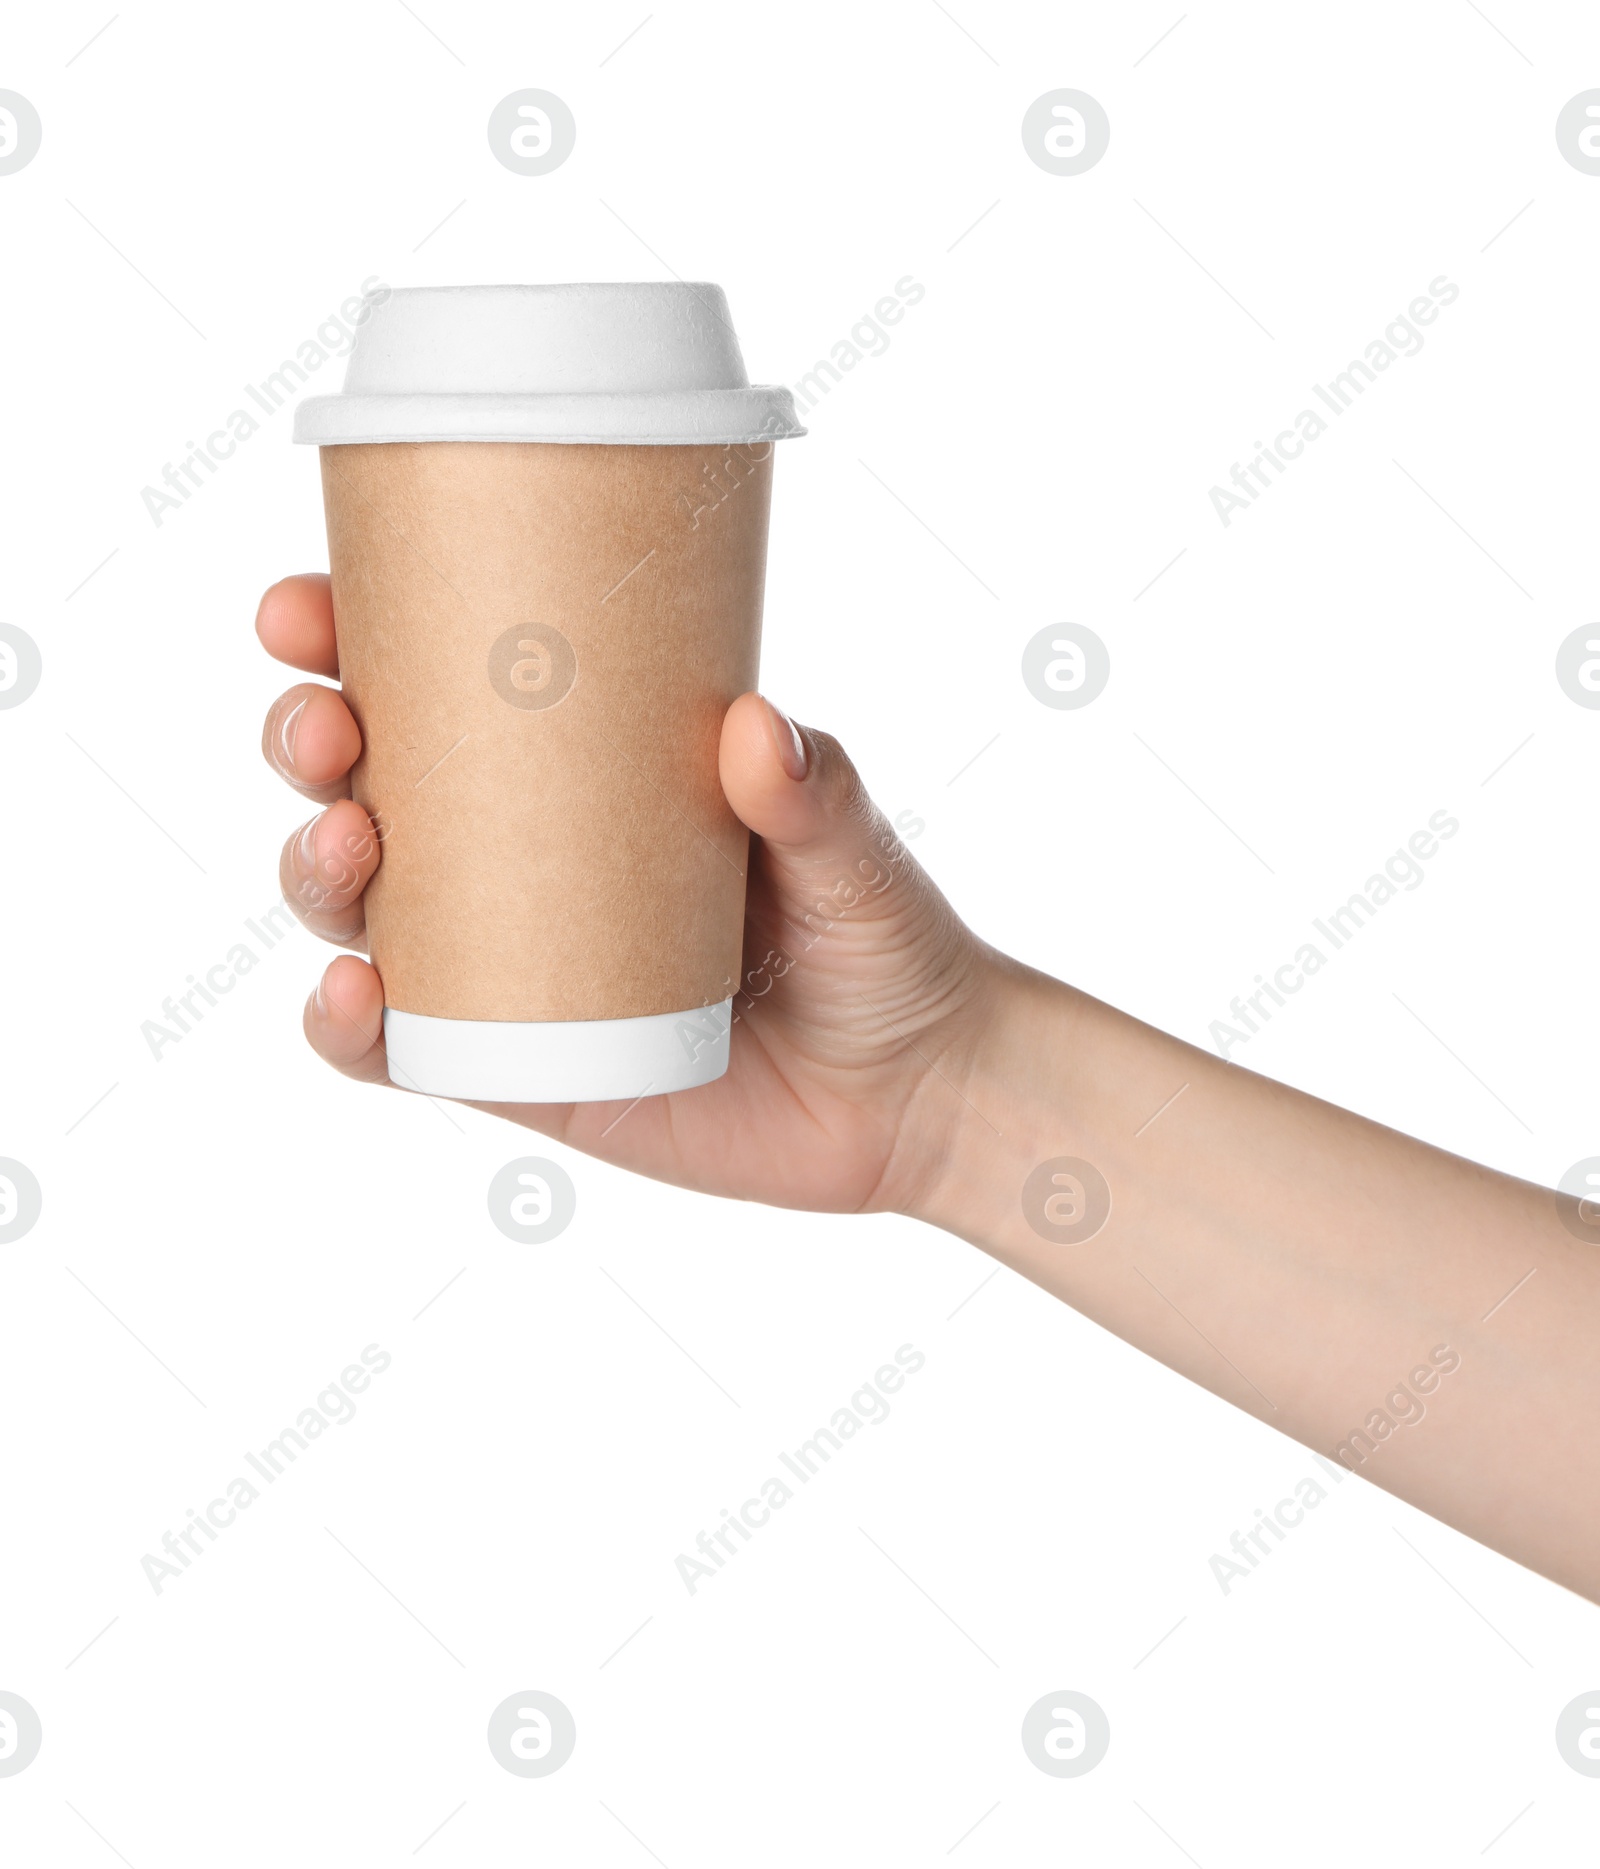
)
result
[(1298, 1260)]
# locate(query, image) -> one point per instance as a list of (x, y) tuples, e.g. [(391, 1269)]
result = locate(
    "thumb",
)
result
[(826, 862), (797, 790)]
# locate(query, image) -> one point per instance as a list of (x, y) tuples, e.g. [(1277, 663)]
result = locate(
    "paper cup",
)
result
[(547, 519)]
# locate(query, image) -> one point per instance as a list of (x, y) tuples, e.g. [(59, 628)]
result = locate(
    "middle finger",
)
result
[(311, 739)]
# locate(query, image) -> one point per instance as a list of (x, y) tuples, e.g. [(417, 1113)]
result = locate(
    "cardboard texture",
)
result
[(539, 642)]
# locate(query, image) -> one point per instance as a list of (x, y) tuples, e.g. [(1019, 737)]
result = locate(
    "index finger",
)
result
[(295, 623)]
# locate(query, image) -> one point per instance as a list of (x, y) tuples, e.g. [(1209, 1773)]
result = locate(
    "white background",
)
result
[(227, 1228)]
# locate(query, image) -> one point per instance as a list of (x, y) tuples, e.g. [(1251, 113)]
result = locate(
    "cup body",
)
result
[(539, 642)]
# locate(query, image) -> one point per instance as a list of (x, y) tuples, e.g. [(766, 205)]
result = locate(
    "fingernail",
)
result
[(307, 851), (288, 733), (791, 748), (318, 1004)]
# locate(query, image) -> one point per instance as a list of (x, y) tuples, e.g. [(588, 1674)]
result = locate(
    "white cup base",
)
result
[(558, 1061)]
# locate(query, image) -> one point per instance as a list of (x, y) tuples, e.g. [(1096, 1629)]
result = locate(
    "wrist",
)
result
[(1036, 1125), (997, 1083)]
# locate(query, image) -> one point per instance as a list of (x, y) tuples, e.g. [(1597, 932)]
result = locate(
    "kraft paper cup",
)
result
[(547, 520)]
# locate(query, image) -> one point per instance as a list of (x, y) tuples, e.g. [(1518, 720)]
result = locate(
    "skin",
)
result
[(1322, 1272)]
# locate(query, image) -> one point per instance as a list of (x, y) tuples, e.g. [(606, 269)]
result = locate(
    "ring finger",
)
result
[(324, 868)]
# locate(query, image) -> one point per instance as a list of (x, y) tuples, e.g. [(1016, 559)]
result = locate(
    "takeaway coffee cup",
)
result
[(547, 519)]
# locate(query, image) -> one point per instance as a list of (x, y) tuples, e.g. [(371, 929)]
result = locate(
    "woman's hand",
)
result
[(862, 994), (1320, 1271)]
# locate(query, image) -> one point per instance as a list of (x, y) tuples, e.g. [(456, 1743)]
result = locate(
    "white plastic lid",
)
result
[(650, 363)]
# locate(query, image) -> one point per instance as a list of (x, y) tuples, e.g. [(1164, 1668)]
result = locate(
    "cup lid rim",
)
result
[(662, 418)]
